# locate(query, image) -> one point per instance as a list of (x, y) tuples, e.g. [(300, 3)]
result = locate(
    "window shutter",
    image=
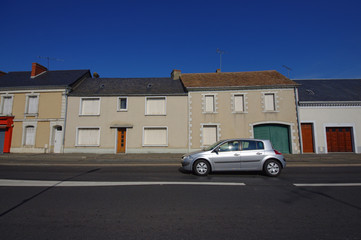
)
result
[(30, 136), (88, 136), (269, 102), (156, 106), (209, 135), (32, 104), (209, 103), (238, 103), (7, 105), (90, 106), (155, 136)]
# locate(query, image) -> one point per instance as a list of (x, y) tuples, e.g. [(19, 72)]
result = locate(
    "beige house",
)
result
[(37, 102), (127, 115), (241, 104)]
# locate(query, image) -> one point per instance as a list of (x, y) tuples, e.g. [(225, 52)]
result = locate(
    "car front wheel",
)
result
[(272, 168), (201, 168)]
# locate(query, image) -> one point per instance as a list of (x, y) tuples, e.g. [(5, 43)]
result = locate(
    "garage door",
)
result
[(277, 133), (339, 139)]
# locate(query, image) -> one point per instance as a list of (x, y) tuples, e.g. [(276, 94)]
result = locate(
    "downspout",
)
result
[(189, 123), (298, 121), (65, 117)]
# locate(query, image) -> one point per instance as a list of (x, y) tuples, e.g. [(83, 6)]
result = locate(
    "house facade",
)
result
[(241, 104), (127, 115), (34, 105), (330, 111)]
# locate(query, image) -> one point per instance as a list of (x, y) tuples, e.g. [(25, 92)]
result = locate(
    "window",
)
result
[(88, 136), (122, 104), (209, 104), (252, 145), (155, 136), (32, 102), (155, 106), (238, 103), (6, 105), (29, 136), (89, 106), (269, 102), (209, 135), (229, 146)]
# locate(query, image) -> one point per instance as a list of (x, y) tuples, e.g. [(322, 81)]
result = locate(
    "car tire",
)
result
[(201, 167), (272, 168)]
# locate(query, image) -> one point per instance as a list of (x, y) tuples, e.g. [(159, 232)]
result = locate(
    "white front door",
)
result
[(58, 139)]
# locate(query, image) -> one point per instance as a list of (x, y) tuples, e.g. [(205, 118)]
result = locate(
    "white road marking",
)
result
[(39, 183), (327, 184)]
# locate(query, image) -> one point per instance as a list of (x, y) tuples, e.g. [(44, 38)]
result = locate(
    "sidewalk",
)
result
[(79, 159)]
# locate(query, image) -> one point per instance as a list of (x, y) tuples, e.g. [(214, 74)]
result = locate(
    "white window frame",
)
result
[(244, 103), (144, 144), (27, 102), (87, 145), (152, 114), (81, 106), (119, 109), (204, 103), (11, 96), (275, 102), (205, 125)]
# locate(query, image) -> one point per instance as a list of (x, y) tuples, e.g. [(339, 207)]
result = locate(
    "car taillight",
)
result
[(277, 152)]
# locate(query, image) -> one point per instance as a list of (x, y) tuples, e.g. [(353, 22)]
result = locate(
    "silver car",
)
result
[(236, 155)]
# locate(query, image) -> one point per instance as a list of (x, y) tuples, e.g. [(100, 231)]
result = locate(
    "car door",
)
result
[(252, 152), (226, 157)]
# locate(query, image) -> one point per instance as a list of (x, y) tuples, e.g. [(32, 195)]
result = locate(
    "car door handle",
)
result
[(237, 154), (259, 153)]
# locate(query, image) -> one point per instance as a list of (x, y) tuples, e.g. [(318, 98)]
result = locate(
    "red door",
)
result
[(307, 137), (339, 139)]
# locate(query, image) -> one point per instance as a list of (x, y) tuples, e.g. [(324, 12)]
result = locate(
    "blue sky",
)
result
[(316, 39)]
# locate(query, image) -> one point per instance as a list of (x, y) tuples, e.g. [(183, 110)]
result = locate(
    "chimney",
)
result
[(218, 70), (175, 75), (37, 69), (2, 73)]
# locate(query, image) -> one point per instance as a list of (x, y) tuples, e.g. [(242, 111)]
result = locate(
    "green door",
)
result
[(277, 133)]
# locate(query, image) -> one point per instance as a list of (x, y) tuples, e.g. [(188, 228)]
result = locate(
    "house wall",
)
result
[(240, 125), (175, 120), (322, 117)]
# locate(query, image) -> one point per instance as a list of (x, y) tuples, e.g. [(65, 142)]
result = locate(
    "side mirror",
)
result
[(216, 150)]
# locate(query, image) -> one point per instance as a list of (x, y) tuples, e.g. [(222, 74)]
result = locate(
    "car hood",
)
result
[(193, 153)]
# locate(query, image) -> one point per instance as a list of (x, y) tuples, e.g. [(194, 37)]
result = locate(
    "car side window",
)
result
[(249, 145), (229, 146)]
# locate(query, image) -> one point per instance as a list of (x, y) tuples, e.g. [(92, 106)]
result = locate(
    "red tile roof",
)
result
[(235, 79)]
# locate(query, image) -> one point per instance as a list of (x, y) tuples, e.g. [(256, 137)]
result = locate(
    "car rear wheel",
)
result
[(201, 168), (272, 168)]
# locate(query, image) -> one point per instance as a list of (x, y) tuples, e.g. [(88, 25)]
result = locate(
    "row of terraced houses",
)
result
[(69, 111)]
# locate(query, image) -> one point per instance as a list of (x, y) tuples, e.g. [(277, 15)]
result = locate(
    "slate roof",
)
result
[(331, 90), (129, 87), (236, 79), (49, 79)]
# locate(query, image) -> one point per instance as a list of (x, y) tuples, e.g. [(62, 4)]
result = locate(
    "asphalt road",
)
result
[(164, 203)]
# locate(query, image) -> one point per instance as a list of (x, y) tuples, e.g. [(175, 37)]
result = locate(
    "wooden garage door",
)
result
[(339, 139), (277, 133), (307, 137)]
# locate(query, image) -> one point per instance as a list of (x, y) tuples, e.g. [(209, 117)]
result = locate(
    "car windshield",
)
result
[(212, 146)]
